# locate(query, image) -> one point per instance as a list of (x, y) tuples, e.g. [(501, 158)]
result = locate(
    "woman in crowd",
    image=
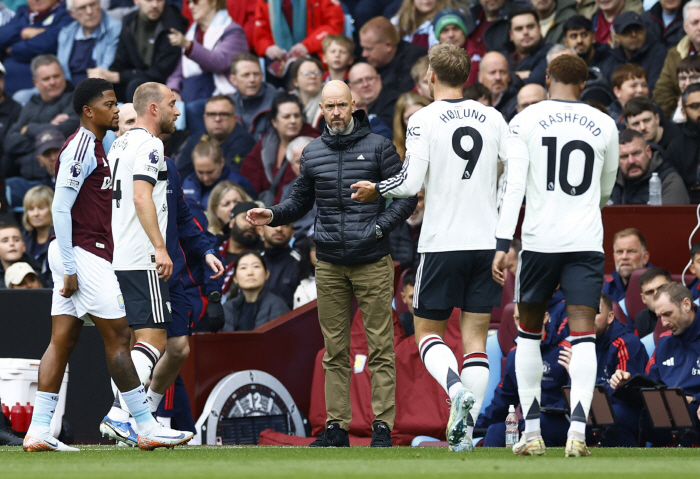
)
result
[(306, 291), (209, 169), (38, 228), (222, 199), (414, 20), (266, 166), (254, 305), (407, 104), (307, 80), (208, 47)]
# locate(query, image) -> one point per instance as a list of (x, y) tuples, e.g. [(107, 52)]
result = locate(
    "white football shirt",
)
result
[(563, 157), (136, 156), (453, 147)]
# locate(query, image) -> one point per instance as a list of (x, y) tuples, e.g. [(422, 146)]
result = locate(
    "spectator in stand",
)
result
[(628, 81), (89, 41), (209, 169), (527, 50), (605, 15), (683, 151), (491, 32), (376, 124), (380, 100), (12, 249), (418, 73), (338, 54), (38, 229), (304, 226), (144, 53), (477, 92), (642, 115), (22, 276), (529, 95), (266, 166), (630, 253), (222, 199), (649, 283), (414, 21), (243, 13), (664, 22), (306, 78), (674, 361), (452, 27), (282, 262), (578, 35), (392, 57), (221, 127), (50, 109), (243, 238), (513, 255), (407, 288), (637, 164), (694, 268), (495, 75), (306, 291), (667, 91), (295, 28), (32, 31), (48, 147), (553, 15), (635, 47), (253, 97), (255, 303), (9, 110), (407, 104), (688, 72), (207, 48)]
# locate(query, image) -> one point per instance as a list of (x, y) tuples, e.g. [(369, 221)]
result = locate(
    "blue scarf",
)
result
[(284, 38)]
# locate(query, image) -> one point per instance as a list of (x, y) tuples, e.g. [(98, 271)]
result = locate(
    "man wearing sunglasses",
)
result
[(684, 151)]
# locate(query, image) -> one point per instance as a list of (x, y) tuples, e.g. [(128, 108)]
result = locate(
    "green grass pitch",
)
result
[(304, 463)]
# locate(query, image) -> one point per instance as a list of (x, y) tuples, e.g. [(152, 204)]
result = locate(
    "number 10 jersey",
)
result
[(563, 156), (453, 147)]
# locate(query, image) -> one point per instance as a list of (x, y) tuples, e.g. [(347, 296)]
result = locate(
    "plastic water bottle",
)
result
[(512, 433), (654, 189)]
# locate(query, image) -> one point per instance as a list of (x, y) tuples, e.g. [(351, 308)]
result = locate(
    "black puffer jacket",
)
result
[(344, 229)]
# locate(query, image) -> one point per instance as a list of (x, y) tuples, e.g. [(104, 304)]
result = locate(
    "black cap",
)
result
[(243, 208), (625, 20)]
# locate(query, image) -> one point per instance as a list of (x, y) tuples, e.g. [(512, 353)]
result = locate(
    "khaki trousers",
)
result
[(373, 286)]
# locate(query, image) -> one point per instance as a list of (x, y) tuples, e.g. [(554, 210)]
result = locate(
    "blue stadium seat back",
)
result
[(493, 351), (648, 342)]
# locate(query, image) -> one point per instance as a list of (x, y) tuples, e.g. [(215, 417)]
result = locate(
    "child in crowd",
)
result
[(418, 73), (338, 55), (21, 276), (12, 249), (694, 287)]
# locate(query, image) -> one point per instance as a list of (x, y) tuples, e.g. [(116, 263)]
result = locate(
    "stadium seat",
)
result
[(678, 278), (633, 297), (506, 298), (620, 314)]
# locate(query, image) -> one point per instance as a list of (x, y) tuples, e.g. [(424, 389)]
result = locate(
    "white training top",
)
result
[(136, 155), (453, 146), (563, 156)]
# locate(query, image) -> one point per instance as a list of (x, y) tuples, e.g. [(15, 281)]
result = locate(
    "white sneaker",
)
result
[(162, 436), (457, 424), (45, 442)]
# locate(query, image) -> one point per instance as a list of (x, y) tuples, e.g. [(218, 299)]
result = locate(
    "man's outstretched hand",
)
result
[(259, 216)]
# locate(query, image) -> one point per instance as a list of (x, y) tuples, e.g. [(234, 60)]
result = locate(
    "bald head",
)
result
[(493, 73), (365, 80), (530, 94), (127, 118), (337, 106)]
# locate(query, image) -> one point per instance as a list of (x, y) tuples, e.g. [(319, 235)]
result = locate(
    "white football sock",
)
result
[(475, 377), (528, 372), (582, 370), (441, 363), (154, 400)]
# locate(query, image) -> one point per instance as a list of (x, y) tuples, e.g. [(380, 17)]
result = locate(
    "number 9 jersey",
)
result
[(563, 156), (453, 147)]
